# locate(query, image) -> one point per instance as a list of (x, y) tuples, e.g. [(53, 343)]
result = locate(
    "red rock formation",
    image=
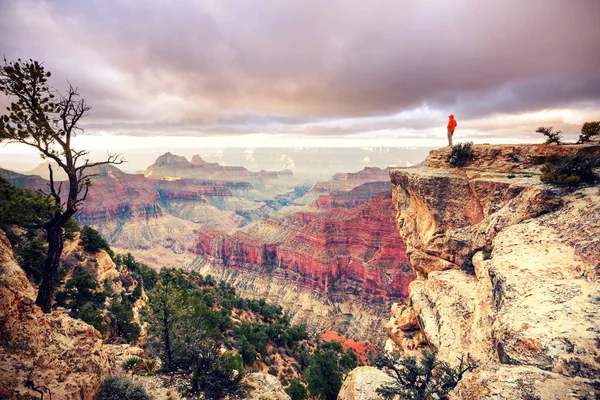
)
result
[(333, 250)]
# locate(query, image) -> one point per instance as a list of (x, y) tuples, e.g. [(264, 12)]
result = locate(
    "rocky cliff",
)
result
[(507, 271)]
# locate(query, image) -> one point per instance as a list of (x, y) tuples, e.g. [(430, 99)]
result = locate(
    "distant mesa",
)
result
[(169, 166)]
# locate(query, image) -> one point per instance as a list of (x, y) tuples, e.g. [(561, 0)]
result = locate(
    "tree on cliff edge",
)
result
[(47, 120)]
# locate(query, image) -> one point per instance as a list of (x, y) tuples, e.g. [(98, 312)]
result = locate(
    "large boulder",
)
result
[(362, 384)]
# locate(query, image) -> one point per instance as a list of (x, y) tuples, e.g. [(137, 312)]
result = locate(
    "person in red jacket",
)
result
[(451, 126)]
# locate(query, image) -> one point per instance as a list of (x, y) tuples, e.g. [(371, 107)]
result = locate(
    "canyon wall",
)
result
[(507, 272), (345, 251)]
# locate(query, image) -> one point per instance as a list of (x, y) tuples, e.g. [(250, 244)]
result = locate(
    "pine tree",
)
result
[(40, 119)]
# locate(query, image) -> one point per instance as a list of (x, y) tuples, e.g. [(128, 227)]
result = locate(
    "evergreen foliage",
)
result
[(296, 390), (214, 374), (140, 271), (460, 155), (91, 314), (121, 317), (589, 130), (24, 208), (570, 170), (323, 376), (30, 253), (93, 242), (81, 289)]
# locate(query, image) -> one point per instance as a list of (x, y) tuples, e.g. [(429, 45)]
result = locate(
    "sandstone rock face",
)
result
[(362, 383), (507, 272), (40, 353), (264, 387)]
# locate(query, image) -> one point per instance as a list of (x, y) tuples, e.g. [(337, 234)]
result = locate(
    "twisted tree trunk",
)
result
[(54, 234)]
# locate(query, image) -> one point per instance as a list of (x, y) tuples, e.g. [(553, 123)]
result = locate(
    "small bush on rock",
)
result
[(119, 388), (93, 242), (570, 170), (461, 154), (551, 135), (588, 130), (423, 379)]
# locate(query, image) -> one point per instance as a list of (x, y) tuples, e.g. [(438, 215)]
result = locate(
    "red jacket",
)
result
[(452, 123)]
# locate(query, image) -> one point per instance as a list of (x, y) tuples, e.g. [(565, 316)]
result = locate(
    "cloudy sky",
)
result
[(165, 73)]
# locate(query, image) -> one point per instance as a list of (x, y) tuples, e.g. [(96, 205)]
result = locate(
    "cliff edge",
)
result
[(507, 271)]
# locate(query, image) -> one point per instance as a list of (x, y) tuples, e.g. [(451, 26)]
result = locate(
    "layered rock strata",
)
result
[(335, 250), (350, 258), (507, 272)]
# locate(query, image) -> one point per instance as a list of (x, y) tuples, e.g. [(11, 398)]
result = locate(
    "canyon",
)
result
[(329, 253), (484, 260)]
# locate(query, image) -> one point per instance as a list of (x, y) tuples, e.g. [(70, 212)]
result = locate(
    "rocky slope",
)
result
[(49, 354), (507, 271)]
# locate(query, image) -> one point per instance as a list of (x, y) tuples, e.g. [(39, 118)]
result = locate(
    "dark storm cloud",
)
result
[(290, 66)]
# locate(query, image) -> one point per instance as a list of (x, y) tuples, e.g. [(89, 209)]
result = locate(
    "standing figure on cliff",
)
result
[(451, 126)]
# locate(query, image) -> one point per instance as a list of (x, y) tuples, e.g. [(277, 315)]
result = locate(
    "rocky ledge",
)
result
[(507, 271)]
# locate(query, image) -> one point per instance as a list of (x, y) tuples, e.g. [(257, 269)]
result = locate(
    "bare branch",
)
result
[(53, 192), (114, 159)]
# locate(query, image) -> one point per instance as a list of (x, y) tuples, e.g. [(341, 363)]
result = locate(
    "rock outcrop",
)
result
[(507, 272), (263, 387), (362, 383), (49, 354)]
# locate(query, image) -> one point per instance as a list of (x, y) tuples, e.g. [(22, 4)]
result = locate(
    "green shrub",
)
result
[(31, 256), (461, 154), (216, 375), (423, 379), (570, 170), (273, 371), (296, 390), (551, 135), (122, 324), (93, 242), (323, 376), (119, 388), (131, 363), (92, 315), (588, 130), (70, 228)]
